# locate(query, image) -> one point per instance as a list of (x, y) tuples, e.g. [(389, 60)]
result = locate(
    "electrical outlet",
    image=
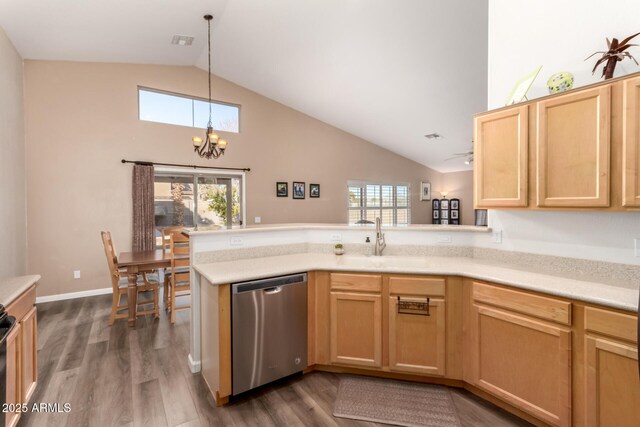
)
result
[(444, 238), (496, 236), (235, 241), (76, 274), (257, 220), (336, 237), (636, 246)]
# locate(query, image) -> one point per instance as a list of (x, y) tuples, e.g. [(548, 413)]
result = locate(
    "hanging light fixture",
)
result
[(212, 146)]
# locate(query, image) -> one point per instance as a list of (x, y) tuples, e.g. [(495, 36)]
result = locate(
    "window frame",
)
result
[(191, 98), (219, 173), (394, 208)]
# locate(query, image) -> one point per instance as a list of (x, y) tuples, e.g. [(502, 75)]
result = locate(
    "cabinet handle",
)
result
[(418, 308)]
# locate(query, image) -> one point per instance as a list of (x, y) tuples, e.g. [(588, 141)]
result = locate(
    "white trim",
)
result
[(73, 295), (195, 366)]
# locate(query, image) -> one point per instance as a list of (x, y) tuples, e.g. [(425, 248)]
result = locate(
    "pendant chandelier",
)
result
[(212, 146)]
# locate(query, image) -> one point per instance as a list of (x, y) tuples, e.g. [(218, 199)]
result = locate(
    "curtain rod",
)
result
[(139, 162)]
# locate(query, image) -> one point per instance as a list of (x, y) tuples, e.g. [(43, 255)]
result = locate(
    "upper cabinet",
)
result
[(501, 141), (575, 150), (631, 143)]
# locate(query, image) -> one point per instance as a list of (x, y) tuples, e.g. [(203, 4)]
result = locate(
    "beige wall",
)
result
[(13, 251), (460, 185), (82, 118)]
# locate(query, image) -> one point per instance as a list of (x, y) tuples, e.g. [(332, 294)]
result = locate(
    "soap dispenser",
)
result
[(368, 247)]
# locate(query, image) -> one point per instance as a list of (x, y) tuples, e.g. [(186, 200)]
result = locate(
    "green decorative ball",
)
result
[(560, 82)]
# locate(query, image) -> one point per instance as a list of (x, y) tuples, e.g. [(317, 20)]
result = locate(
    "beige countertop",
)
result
[(304, 226), (624, 297), (12, 287)]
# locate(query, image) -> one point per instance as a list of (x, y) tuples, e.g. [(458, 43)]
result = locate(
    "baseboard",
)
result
[(195, 366), (73, 295)]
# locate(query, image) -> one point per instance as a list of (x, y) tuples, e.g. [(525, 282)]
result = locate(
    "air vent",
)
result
[(182, 40), (434, 136)]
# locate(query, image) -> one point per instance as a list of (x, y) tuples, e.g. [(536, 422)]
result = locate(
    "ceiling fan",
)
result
[(467, 156)]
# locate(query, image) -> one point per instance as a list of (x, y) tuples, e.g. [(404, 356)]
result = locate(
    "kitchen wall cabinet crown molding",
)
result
[(583, 150)]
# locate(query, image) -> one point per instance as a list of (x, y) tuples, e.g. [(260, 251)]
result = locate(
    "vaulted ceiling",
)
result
[(388, 71)]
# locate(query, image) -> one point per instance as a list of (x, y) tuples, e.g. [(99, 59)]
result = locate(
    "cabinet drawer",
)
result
[(356, 282), (542, 307), (23, 304), (618, 325), (406, 285)]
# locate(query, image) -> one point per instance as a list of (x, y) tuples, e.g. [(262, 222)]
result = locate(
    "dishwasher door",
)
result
[(268, 330)]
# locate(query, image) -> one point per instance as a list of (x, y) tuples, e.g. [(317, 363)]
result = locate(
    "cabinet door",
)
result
[(631, 143), (417, 342), (573, 149), (356, 329), (524, 362), (613, 390), (29, 355), (500, 158), (14, 395)]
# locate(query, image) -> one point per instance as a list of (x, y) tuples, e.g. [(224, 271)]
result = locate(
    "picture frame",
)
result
[(298, 190), (314, 190), (522, 86), (444, 214), (444, 204), (436, 214), (282, 189), (454, 214), (435, 204), (455, 222), (455, 203), (444, 221), (425, 191)]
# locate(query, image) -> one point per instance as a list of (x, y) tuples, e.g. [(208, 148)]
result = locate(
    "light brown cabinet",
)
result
[(22, 353), (356, 319), (612, 388), (573, 149), (501, 156), (417, 337), (631, 143), (519, 355)]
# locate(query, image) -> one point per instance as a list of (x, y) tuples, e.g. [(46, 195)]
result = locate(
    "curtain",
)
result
[(143, 208)]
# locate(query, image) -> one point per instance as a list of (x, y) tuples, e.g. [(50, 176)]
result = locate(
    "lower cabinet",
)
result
[(522, 359), (612, 395), (29, 355)]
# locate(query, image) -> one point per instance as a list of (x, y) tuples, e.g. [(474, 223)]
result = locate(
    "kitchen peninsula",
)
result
[(493, 315)]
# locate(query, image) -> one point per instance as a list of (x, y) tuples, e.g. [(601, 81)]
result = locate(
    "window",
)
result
[(387, 201), (197, 199), (182, 110)]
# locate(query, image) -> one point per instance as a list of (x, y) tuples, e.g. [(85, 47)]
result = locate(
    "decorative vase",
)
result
[(560, 82), (338, 251)]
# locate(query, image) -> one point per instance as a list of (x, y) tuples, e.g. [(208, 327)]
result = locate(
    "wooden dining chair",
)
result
[(165, 235), (120, 283), (180, 278)]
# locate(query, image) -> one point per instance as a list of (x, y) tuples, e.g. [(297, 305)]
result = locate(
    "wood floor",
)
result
[(117, 376)]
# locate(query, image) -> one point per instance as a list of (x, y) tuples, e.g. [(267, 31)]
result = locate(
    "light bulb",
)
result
[(197, 141), (213, 137), (222, 144)]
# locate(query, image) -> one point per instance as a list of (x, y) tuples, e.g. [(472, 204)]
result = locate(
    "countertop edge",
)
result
[(525, 285), (17, 286)]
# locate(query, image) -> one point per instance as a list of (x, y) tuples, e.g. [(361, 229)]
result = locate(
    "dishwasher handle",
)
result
[(271, 291), (269, 284)]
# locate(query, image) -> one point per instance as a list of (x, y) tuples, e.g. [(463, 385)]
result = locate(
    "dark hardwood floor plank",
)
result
[(148, 409)]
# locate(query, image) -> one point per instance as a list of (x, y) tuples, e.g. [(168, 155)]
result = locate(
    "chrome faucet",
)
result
[(380, 243)]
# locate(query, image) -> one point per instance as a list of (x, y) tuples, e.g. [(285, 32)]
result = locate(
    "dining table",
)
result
[(138, 262)]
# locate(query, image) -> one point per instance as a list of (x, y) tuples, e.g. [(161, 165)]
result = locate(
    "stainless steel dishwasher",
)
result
[(268, 330)]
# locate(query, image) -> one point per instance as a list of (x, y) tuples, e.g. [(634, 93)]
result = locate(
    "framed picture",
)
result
[(436, 214), (444, 214), (522, 86), (455, 203), (454, 214), (444, 204), (455, 222), (314, 190), (436, 221), (425, 191), (298, 190), (282, 189), (444, 221), (435, 204)]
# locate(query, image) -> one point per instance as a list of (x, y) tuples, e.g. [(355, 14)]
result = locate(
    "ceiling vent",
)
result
[(182, 40), (434, 136)]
